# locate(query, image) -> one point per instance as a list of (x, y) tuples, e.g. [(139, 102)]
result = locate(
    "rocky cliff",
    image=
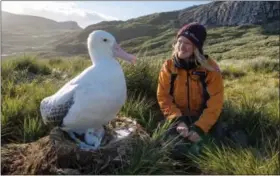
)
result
[(151, 33), (231, 13)]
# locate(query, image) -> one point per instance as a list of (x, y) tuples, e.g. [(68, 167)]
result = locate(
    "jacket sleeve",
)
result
[(165, 100), (215, 89)]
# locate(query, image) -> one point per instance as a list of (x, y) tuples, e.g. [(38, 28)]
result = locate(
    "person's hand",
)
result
[(182, 129), (193, 136)]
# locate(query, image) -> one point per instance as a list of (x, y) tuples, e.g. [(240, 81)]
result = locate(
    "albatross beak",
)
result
[(120, 53)]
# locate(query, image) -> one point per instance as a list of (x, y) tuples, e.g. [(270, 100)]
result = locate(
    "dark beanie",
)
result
[(194, 32)]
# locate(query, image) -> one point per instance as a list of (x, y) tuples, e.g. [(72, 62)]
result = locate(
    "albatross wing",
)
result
[(54, 108)]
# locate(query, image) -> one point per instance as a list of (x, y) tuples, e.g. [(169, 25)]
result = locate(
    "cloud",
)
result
[(58, 11)]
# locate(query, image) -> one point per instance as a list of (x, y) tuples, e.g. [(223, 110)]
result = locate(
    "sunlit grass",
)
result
[(251, 81), (239, 161)]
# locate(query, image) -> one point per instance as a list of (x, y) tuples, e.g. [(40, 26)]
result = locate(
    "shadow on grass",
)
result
[(251, 118), (272, 28)]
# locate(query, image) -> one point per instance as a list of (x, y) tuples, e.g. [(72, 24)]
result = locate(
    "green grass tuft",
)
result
[(238, 161), (249, 62)]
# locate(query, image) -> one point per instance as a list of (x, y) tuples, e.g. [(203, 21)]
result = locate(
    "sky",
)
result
[(89, 12)]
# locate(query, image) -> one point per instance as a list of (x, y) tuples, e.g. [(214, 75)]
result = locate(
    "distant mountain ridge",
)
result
[(26, 33), (153, 33), (156, 31), (28, 21)]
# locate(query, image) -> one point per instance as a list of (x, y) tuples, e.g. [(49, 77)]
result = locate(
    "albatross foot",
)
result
[(81, 145), (94, 136), (86, 147)]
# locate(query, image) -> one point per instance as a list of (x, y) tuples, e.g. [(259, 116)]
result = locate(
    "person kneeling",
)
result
[(190, 87)]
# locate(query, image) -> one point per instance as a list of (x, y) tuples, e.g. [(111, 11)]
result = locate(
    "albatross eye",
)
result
[(105, 40)]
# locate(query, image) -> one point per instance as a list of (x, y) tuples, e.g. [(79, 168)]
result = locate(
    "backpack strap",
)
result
[(204, 91), (173, 76)]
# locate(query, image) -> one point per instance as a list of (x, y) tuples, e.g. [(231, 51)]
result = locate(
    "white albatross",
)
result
[(94, 97)]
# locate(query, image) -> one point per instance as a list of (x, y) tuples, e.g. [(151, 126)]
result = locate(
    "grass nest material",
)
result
[(57, 154)]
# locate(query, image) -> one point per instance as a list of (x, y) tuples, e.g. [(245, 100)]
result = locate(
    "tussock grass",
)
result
[(149, 157), (32, 129), (238, 161), (249, 64), (140, 108), (25, 104), (253, 118), (143, 76), (248, 106)]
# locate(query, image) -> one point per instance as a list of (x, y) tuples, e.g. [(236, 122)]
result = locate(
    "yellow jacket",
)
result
[(189, 98)]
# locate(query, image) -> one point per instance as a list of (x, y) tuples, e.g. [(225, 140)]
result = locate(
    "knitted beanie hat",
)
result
[(194, 32)]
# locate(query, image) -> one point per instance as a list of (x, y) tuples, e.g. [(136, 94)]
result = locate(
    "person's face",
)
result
[(184, 47)]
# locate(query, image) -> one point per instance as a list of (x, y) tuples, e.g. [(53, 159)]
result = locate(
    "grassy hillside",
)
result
[(134, 33), (26, 33), (29, 23), (148, 39), (248, 58), (153, 34), (148, 35)]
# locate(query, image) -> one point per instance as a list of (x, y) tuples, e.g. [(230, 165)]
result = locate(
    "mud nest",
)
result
[(58, 154)]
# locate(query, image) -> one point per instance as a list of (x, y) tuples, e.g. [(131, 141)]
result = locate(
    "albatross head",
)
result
[(102, 44)]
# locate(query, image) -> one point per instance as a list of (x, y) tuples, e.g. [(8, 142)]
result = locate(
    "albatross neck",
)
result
[(98, 56)]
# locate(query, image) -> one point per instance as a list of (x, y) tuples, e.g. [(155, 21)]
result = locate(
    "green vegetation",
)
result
[(248, 60), (151, 35)]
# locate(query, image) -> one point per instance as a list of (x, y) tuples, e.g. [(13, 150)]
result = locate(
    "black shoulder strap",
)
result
[(173, 75), (172, 80), (204, 87)]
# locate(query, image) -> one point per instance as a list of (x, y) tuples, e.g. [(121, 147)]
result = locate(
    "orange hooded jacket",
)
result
[(196, 92)]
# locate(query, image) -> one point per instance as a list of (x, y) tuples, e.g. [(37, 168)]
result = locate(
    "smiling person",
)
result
[(190, 87)]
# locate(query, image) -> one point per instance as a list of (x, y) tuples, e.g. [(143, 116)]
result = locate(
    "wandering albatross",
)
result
[(94, 97)]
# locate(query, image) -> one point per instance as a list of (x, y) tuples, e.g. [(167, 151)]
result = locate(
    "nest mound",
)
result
[(57, 154)]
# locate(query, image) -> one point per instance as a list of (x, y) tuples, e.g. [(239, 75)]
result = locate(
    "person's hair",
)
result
[(198, 57)]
